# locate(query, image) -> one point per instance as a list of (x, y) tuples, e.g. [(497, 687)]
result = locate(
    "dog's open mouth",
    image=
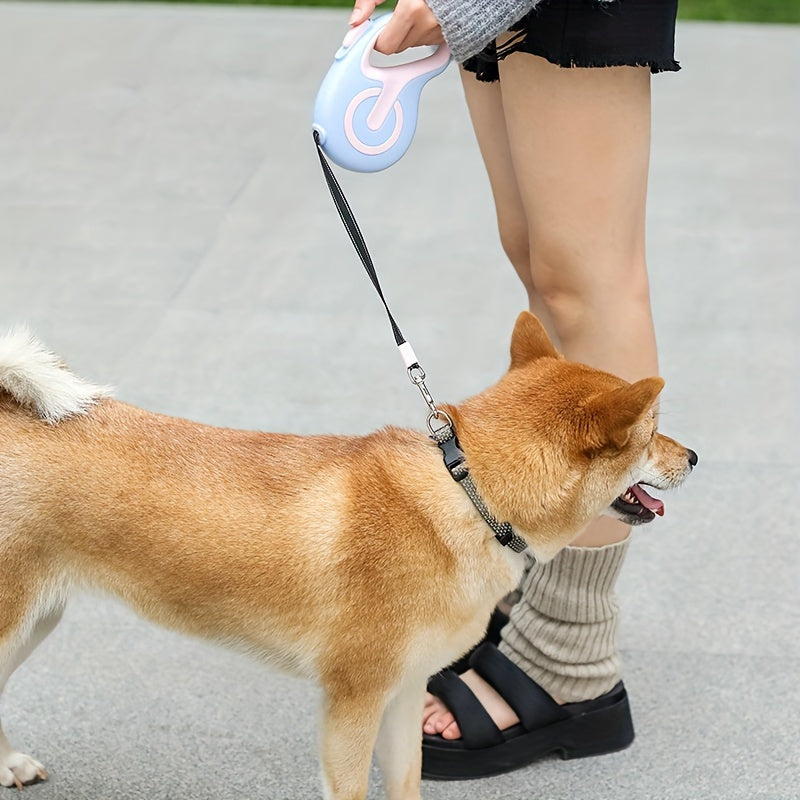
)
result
[(638, 505)]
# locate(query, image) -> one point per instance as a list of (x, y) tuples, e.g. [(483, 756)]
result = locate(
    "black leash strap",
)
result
[(356, 237), (413, 368)]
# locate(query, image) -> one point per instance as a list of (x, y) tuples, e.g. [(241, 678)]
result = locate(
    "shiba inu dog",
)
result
[(275, 544)]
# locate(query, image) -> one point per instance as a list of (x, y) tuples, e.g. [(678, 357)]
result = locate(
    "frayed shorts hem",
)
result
[(589, 34)]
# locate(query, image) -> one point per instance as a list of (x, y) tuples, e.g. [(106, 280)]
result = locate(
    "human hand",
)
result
[(412, 24)]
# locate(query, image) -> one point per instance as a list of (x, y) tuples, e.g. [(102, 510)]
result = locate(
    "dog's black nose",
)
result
[(692, 457)]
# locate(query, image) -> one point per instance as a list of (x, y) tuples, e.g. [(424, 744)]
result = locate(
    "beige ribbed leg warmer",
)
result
[(562, 632)]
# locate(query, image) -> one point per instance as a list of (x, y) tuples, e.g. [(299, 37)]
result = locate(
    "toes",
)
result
[(437, 718), (18, 770), (438, 721), (451, 731), (433, 711), (444, 722), (429, 724)]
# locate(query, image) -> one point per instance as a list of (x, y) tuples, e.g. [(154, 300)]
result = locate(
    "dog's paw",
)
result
[(17, 769)]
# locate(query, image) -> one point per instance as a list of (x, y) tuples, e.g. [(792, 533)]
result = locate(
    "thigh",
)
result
[(580, 143)]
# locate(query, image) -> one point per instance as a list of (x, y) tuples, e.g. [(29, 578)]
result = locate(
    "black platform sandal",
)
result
[(573, 730)]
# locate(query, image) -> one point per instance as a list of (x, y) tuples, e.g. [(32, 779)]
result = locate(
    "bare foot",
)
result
[(436, 718)]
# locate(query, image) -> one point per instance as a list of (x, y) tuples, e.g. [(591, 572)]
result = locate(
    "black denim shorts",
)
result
[(588, 33)]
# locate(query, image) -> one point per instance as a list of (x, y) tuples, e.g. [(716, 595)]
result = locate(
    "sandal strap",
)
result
[(534, 707), (477, 728)]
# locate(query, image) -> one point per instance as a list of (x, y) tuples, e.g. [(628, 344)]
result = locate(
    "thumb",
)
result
[(362, 10)]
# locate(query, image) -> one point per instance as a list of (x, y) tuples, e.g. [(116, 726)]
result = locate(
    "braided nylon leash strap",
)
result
[(503, 531)]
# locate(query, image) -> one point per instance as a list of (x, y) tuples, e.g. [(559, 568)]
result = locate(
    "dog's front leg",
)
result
[(398, 747), (350, 722)]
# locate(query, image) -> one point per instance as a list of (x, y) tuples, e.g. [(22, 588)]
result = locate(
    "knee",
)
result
[(516, 245), (577, 292)]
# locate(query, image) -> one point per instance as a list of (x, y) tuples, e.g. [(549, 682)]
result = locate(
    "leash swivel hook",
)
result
[(417, 376)]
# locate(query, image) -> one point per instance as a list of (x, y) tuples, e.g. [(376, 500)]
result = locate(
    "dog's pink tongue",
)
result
[(651, 503)]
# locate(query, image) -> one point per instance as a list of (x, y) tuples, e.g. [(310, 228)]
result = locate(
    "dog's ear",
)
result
[(612, 415), (530, 341)]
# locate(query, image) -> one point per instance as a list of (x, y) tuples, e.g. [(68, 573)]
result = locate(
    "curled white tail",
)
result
[(37, 379)]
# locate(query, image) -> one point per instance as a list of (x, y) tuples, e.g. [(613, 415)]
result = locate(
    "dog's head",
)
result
[(555, 444)]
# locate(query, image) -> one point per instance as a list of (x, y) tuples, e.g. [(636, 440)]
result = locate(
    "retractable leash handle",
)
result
[(366, 115)]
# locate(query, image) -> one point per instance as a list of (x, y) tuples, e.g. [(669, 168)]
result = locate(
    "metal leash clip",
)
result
[(417, 376)]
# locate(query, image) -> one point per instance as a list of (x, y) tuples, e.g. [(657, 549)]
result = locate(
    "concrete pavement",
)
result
[(164, 226)]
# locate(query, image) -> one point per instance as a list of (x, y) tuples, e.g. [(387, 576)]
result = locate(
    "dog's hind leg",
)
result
[(398, 747), (17, 642)]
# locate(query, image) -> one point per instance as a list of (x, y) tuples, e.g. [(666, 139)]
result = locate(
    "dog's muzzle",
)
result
[(637, 507)]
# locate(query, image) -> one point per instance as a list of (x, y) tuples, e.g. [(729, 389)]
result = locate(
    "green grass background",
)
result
[(730, 10)]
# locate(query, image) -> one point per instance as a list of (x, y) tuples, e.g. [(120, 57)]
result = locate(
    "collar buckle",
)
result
[(453, 456)]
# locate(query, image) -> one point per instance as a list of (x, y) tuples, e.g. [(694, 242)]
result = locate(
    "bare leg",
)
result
[(580, 142), (567, 151)]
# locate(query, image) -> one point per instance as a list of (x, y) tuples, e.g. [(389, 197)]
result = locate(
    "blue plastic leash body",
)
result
[(365, 115)]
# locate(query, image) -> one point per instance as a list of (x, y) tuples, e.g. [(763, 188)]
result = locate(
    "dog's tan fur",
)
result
[(355, 561)]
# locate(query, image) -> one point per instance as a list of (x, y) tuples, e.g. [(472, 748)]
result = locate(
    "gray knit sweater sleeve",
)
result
[(469, 25)]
